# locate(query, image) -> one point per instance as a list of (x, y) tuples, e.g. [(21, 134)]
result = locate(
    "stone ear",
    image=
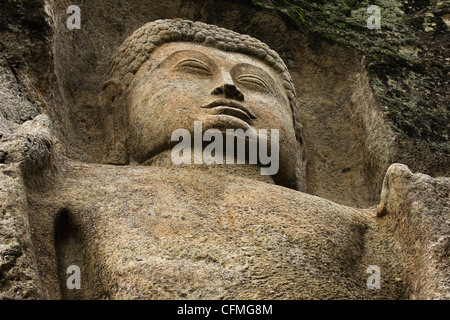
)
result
[(110, 91), (301, 157), (113, 102)]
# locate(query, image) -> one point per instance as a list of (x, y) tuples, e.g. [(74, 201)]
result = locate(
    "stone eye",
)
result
[(254, 80), (194, 65)]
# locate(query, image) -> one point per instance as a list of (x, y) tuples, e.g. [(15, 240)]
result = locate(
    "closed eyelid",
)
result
[(195, 62), (255, 77), (252, 76)]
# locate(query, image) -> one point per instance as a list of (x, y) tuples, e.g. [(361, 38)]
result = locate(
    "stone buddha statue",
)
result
[(153, 229), (170, 74)]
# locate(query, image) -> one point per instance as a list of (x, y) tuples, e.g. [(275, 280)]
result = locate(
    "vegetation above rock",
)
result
[(407, 58)]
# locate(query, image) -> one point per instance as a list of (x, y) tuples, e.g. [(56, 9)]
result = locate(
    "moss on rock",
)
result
[(407, 59)]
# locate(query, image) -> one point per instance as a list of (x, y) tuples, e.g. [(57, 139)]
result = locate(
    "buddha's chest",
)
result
[(166, 237)]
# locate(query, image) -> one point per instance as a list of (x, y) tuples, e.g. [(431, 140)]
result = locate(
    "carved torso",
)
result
[(156, 233)]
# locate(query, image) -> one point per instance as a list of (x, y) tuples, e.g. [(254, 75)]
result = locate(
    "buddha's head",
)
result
[(170, 73)]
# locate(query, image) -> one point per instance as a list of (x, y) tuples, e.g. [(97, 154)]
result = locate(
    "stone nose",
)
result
[(228, 89)]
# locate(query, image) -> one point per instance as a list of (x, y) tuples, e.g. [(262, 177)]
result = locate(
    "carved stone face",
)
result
[(186, 82)]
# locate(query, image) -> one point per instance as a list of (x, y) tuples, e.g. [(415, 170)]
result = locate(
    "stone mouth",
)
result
[(231, 108)]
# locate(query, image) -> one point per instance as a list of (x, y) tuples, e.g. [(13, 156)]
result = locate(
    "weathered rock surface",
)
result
[(364, 106), (152, 233), (158, 233), (352, 83), (415, 211)]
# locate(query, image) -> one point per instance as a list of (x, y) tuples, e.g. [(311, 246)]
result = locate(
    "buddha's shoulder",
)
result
[(185, 187)]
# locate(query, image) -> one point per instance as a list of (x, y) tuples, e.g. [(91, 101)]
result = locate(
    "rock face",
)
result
[(204, 233), (152, 233), (162, 233), (415, 210)]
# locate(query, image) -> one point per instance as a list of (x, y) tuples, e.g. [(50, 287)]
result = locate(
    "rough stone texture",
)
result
[(157, 233), (349, 140), (24, 148), (367, 99), (24, 152), (346, 157), (415, 210), (407, 60), (163, 233), (14, 106), (18, 274), (348, 114)]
